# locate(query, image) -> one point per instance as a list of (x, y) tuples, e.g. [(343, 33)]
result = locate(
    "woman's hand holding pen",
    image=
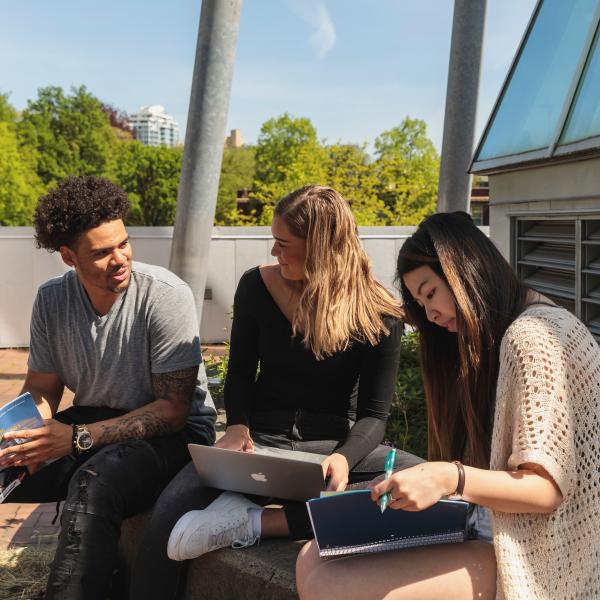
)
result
[(418, 487), (236, 437), (335, 467)]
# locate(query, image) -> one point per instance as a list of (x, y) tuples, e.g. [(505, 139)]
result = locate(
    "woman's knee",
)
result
[(182, 489), (449, 572), (307, 577)]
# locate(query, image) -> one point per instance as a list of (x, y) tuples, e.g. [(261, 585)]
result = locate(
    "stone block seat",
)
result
[(263, 572)]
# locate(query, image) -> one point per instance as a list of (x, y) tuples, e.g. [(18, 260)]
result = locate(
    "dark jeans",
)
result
[(100, 489), (156, 576)]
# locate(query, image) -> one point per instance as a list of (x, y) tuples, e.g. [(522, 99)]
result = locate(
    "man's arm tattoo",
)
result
[(176, 386), (135, 427)]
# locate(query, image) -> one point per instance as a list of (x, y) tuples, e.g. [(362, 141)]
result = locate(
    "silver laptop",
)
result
[(271, 472)]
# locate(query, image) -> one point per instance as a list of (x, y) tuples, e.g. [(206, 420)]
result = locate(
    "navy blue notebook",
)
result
[(351, 523)]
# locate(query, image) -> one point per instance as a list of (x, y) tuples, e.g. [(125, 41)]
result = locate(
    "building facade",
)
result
[(480, 202), (153, 127), (541, 153)]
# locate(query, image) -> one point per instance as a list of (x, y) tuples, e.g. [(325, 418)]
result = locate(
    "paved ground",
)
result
[(24, 524)]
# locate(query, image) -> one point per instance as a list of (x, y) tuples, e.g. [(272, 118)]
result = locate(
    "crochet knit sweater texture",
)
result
[(548, 413)]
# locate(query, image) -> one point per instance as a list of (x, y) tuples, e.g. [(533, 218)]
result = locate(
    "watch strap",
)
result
[(74, 448)]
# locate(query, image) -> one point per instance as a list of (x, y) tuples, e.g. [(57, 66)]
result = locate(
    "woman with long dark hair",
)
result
[(512, 383)]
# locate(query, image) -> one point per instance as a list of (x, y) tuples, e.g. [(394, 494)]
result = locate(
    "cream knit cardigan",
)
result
[(548, 413)]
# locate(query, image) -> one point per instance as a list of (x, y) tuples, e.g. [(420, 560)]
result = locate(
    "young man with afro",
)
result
[(123, 336)]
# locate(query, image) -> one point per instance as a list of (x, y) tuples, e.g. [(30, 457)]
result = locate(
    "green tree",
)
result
[(350, 172), (70, 134), (407, 170), (150, 175), (237, 173), (288, 156), (20, 186), (7, 112)]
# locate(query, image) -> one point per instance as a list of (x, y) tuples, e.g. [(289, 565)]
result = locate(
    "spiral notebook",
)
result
[(351, 523)]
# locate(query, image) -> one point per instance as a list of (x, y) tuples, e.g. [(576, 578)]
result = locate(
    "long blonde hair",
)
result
[(340, 301)]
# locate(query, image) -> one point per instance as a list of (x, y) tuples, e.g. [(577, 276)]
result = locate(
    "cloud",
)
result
[(315, 14)]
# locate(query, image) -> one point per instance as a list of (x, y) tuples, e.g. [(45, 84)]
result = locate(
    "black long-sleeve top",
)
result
[(357, 384)]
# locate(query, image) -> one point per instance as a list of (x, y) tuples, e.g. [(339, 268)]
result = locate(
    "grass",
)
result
[(24, 571)]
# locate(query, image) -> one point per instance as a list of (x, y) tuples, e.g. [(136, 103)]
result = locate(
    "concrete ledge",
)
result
[(263, 572)]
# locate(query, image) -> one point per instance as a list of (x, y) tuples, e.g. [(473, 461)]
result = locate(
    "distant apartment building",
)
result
[(153, 127), (234, 139)]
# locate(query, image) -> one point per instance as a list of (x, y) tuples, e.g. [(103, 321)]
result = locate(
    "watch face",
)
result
[(84, 440)]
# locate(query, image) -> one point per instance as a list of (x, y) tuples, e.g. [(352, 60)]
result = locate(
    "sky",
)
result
[(356, 68)]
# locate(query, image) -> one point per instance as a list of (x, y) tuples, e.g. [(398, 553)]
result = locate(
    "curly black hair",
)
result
[(74, 206)]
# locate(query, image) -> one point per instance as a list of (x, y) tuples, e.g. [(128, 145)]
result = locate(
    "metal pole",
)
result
[(468, 26), (204, 141)]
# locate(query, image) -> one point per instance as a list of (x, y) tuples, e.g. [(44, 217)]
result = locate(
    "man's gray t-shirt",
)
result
[(108, 361)]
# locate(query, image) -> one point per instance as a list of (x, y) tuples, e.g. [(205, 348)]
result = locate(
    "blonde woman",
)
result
[(324, 337)]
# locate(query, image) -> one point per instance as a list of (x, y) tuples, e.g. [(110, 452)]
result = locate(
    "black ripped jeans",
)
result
[(100, 489)]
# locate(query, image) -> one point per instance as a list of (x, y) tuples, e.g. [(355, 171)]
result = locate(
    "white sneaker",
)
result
[(224, 522)]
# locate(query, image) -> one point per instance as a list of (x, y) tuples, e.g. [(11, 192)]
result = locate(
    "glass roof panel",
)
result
[(584, 120), (530, 108)]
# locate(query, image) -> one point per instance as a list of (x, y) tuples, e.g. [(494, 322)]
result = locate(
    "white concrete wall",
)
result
[(23, 269)]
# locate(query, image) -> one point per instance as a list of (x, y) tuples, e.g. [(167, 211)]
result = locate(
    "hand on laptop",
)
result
[(237, 437), (335, 471)]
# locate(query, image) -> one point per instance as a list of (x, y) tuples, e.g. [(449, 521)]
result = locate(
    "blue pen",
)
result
[(390, 461)]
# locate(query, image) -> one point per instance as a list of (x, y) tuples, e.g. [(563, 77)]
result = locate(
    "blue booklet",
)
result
[(20, 413), (351, 523)]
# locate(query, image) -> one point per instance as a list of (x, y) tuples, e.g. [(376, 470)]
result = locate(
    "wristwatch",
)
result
[(82, 439)]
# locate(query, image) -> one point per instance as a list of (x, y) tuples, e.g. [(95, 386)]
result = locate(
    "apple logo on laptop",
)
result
[(259, 477)]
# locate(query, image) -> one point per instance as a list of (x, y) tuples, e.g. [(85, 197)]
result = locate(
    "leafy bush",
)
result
[(407, 425), (216, 370)]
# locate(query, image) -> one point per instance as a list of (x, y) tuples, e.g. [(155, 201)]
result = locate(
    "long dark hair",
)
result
[(460, 371)]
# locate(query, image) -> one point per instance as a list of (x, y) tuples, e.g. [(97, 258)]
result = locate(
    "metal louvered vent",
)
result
[(561, 259), (590, 275)]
